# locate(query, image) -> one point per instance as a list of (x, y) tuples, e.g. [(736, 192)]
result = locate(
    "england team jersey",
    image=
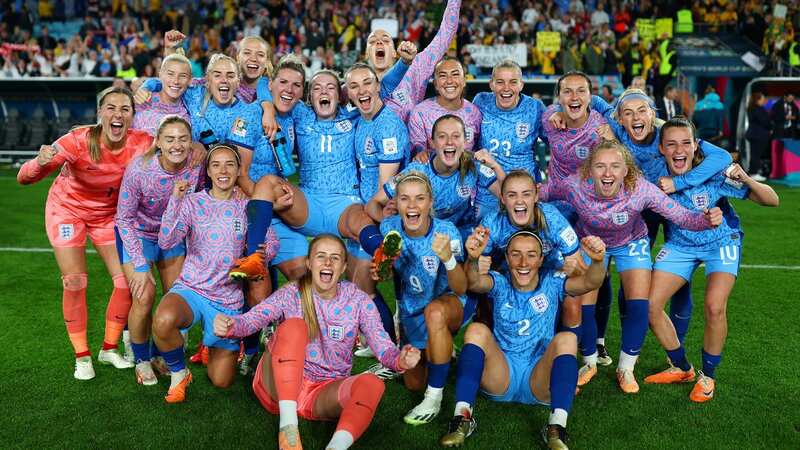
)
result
[(510, 136), (524, 322), (326, 152), (382, 140), (452, 196), (558, 239), (422, 276), (702, 197)]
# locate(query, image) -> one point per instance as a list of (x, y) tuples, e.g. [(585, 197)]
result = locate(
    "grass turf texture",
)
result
[(756, 405)]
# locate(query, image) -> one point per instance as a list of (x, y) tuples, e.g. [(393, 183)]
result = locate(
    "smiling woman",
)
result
[(81, 201)]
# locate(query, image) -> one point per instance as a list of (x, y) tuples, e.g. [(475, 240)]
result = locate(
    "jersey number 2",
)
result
[(524, 325)]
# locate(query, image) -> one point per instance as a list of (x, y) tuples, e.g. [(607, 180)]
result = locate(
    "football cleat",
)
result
[(627, 381), (603, 358), (113, 358), (83, 368), (459, 429), (177, 394), (364, 352), (383, 372), (671, 375), (386, 254), (425, 412), (201, 356), (250, 267), (289, 438), (145, 375), (703, 390), (247, 366), (586, 373), (555, 437)]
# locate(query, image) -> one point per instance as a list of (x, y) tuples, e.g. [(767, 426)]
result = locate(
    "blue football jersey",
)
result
[(558, 239), (510, 135), (422, 276), (524, 322), (452, 196), (326, 151), (702, 197), (382, 140)]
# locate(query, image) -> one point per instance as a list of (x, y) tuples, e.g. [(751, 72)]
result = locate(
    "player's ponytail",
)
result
[(465, 165)]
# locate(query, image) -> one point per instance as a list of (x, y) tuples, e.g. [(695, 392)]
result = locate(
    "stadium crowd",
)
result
[(193, 181), (123, 38)]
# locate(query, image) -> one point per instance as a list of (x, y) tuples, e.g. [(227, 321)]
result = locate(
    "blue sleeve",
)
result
[(566, 239), (499, 288), (393, 78), (715, 161), (536, 125), (263, 162), (393, 145), (263, 94), (152, 85), (193, 98), (486, 176), (600, 105), (733, 188)]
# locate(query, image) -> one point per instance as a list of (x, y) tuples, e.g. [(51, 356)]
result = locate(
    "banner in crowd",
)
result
[(489, 55), (664, 26), (646, 29), (6, 48), (548, 41)]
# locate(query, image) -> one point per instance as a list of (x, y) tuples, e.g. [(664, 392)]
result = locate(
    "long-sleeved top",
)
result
[(330, 354)]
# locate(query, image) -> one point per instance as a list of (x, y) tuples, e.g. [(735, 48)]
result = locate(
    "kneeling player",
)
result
[(306, 370), (521, 360), (214, 224)]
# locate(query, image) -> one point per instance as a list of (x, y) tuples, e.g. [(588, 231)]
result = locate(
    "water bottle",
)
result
[(283, 155), (208, 139)]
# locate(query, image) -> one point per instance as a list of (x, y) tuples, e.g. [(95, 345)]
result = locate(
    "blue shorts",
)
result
[(415, 332), (519, 385), (293, 244), (151, 251), (206, 310), (324, 211), (631, 256), (683, 262), (355, 249)]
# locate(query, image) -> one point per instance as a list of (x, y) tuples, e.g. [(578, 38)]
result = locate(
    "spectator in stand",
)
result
[(708, 117), (600, 16), (607, 93), (758, 134), (668, 106), (784, 115)]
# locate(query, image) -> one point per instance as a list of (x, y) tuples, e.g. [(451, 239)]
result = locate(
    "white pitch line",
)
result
[(50, 250), (35, 250)]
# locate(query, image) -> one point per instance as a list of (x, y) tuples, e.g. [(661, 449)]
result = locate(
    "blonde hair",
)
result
[(506, 64), (179, 57), (216, 58), (629, 183), (538, 222), (166, 120), (305, 291), (96, 130), (268, 68)]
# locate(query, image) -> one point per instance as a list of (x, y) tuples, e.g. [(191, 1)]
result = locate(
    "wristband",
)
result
[(450, 264)]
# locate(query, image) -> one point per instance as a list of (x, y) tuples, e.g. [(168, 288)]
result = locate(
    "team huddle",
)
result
[(442, 197)]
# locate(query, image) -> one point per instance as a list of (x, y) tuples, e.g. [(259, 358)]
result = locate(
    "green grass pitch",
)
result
[(756, 406)]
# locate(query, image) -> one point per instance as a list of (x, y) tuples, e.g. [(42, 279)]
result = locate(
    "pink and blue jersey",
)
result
[(452, 195), (422, 276), (510, 136), (381, 140), (699, 198), (618, 220), (558, 237), (524, 322), (330, 355), (411, 89), (568, 148), (215, 237), (149, 114), (143, 197), (423, 116)]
